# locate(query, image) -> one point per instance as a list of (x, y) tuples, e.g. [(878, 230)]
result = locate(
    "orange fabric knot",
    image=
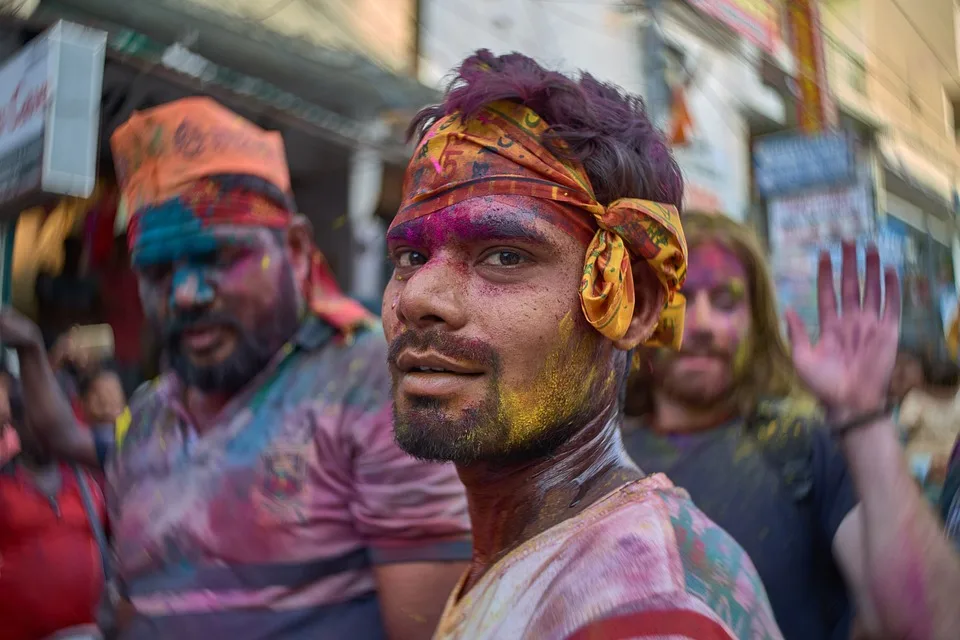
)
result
[(500, 151)]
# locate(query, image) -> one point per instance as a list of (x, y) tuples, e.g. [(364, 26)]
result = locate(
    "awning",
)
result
[(190, 74), (343, 81), (199, 75)]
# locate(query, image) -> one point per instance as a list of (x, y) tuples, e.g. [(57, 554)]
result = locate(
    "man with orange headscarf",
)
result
[(538, 242), (256, 490)]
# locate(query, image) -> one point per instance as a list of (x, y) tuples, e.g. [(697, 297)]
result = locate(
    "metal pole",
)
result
[(658, 93)]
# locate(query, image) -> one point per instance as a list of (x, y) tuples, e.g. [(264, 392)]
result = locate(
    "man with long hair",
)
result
[(256, 490), (821, 511), (537, 243)]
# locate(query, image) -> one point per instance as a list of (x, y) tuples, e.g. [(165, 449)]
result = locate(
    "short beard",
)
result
[(480, 433), (691, 396), (254, 350)]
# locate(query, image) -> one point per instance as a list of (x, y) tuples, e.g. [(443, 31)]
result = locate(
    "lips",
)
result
[(202, 338), (430, 374)]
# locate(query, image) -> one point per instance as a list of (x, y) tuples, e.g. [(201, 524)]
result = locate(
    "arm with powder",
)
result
[(46, 406), (898, 563), (892, 547)]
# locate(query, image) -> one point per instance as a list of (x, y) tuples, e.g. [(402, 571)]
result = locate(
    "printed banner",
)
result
[(821, 216), (755, 20), (791, 163), (816, 108), (795, 268)]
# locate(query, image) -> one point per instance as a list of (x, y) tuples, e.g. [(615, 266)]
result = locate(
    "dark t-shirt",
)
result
[(789, 541)]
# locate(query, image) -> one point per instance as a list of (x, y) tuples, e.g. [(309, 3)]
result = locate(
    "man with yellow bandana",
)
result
[(537, 244)]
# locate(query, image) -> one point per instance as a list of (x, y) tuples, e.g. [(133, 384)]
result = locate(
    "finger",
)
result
[(826, 294), (871, 289), (797, 332), (849, 280), (892, 306)]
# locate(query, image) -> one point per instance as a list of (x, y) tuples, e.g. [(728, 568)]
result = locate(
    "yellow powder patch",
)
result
[(265, 263), (742, 356), (561, 387)]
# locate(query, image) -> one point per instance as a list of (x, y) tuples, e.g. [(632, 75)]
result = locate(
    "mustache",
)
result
[(702, 345), (187, 321), (471, 350)]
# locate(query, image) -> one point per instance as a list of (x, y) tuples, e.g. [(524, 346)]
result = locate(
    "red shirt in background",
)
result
[(51, 575)]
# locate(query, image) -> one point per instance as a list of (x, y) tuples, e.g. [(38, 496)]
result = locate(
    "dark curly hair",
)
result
[(596, 123)]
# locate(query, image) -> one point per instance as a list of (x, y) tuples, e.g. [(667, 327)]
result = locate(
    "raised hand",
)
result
[(850, 365)]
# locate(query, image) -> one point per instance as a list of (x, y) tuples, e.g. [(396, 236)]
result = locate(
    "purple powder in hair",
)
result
[(596, 123)]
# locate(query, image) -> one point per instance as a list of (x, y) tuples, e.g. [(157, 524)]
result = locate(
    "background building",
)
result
[(893, 69)]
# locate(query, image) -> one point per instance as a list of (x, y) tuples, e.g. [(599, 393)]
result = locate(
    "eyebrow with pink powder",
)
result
[(492, 218), (712, 264)]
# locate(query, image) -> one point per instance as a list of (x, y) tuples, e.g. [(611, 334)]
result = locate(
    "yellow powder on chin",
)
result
[(560, 388)]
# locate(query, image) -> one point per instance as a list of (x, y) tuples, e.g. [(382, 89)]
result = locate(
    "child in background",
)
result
[(102, 397)]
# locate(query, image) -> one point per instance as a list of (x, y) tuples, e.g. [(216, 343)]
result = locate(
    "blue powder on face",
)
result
[(169, 232)]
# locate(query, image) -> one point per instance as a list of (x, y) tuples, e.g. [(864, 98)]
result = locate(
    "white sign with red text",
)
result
[(50, 116)]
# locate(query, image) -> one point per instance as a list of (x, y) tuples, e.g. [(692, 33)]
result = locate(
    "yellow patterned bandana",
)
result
[(500, 152)]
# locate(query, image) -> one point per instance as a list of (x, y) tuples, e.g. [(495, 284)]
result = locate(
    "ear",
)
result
[(300, 246), (650, 297)]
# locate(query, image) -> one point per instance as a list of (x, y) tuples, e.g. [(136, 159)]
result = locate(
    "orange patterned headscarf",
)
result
[(500, 152), (167, 159)]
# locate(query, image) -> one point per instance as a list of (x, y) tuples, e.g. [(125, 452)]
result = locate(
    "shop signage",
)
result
[(790, 163), (50, 116), (755, 20), (816, 110), (795, 267), (821, 216)]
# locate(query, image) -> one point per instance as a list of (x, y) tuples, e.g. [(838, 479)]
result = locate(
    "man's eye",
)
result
[(406, 259), (504, 259), (726, 299)]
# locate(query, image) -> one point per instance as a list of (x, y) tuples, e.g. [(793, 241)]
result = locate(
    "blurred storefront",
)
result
[(340, 155), (834, 172), (716, 53)]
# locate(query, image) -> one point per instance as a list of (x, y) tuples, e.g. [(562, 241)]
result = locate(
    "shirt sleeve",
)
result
[(833, 492), (408, 510), (719, 573)]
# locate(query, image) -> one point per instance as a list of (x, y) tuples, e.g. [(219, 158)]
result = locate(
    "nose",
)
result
[(191, 288), (698, 311), (432, 297)]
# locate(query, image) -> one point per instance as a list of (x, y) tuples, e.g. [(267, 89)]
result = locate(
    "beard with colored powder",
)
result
[(254, 349), (507, 425), (701, 391)]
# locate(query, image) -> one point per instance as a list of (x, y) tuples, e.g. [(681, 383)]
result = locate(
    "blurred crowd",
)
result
[(529, 443)]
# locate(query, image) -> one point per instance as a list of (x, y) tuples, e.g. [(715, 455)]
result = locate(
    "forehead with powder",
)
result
[(713, 263), (500, 217)]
